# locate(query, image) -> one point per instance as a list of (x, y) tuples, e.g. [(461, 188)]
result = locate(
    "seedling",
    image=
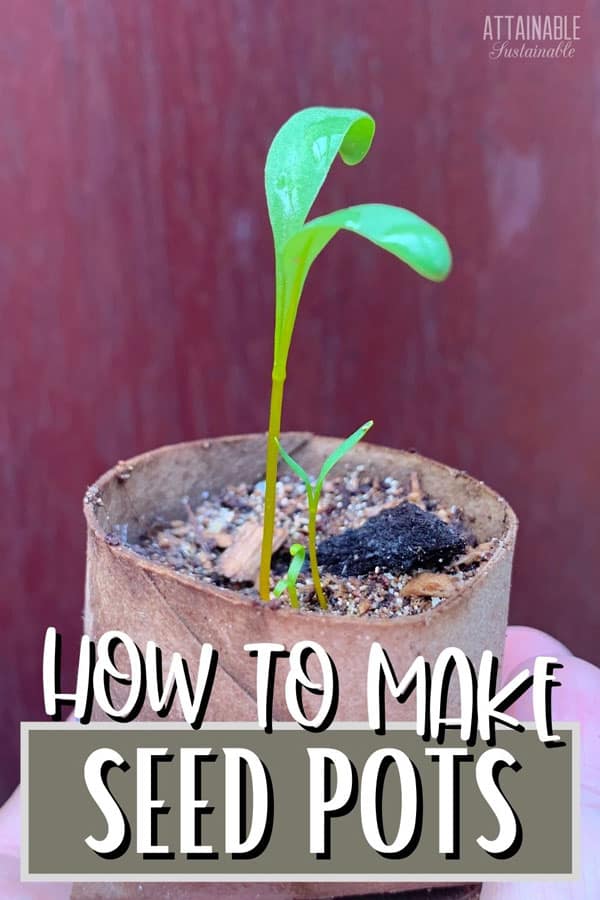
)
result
[(298, 161), (313, 494), (298, 554)]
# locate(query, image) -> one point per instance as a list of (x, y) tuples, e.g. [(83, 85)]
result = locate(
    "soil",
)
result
[(385, 548)]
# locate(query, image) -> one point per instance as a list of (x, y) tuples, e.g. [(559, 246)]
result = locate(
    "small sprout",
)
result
[(313, 494), (298, 553), (298, 162)]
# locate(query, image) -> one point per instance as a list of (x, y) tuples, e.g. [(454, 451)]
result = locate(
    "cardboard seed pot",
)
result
[(150, 602)]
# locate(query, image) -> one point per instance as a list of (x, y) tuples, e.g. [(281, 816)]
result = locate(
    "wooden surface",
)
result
[(136, 272)]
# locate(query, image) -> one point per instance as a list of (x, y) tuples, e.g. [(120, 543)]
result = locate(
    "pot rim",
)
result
[(235, 599)]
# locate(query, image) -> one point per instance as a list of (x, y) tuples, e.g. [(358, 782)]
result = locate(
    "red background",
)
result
[(136, 272)]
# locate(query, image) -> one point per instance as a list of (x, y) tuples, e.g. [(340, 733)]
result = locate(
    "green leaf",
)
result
[(298, 554), (300, 157), (399, 231), (340, 451), (295, 467)]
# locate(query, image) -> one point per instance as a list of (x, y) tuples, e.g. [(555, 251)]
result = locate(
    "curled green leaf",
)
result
[(298, 554), (301, 155)]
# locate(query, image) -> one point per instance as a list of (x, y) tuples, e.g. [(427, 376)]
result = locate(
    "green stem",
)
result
[(312, 551), (264, 581), (293, 595)]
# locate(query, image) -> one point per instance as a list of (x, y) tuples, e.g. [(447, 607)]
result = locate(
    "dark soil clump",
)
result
[(401, 539)]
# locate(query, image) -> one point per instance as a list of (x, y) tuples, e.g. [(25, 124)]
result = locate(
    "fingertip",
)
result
[(524, 643)]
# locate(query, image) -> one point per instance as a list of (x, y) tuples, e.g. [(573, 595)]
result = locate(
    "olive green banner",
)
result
[(164, 802)]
